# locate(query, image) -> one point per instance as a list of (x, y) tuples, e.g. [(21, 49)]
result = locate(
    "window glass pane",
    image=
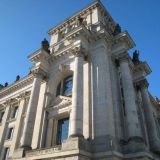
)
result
[(62, 132), (68, 83), (6, 153)]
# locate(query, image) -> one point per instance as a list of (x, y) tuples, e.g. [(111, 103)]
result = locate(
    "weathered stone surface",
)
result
[(109, 113)]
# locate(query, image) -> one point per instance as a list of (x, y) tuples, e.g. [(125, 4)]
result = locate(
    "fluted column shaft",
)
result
[(31, 112), (76, 116), (150, 122), (132, 122)]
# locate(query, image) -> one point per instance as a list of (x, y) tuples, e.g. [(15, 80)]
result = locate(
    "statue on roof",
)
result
[(6, 84), (45, 45), (117, 30), (17, 78), (79, 21), (135, 58)]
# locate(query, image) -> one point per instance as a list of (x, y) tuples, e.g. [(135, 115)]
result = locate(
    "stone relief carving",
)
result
[(59, 102)]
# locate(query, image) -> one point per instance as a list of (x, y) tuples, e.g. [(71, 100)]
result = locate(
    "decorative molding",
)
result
[(59, 102), (125, 37), (17, 85), (39, 55), (64, 68), (42, 151), (78, 51), (82, 13), (124, 56), (16, 99), (38, 71)]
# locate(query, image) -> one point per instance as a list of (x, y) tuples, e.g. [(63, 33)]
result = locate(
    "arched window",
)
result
[(64, 88)]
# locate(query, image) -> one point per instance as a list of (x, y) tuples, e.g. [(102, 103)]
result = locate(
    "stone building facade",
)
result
[(84, 99)]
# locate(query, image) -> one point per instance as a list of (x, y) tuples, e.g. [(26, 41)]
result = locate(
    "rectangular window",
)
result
[(1, 116), (67, 86), (5, 153), (9, 133), (62, 130), (14, 112)]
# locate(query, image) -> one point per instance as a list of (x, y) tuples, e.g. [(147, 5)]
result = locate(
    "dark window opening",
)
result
[(1, 116), (6, 153), (9, 133), (65, 87), (62, 130), (14, 112)]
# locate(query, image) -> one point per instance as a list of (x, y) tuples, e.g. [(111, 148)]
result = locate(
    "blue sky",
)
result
[(24, 23)]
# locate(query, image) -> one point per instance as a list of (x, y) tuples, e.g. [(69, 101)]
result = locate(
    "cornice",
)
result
[(74, 35), (39, 55), (125, 37), (15, 100), (81, 13), (17, 85)]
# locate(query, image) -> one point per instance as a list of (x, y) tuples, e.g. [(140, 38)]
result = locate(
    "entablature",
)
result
[(16, 86), (15, 99), (82, 13), (94, 17)]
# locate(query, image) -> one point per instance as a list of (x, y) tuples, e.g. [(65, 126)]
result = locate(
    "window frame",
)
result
[(59, 135), (60, 91), (9, 134), (6, 151), (14, 112)]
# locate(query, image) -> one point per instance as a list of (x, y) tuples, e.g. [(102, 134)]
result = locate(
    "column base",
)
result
[(76, 143), (155, 146), (19, 153), (134, 144)]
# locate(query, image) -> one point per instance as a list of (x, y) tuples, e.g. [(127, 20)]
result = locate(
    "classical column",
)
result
[(148, 112), (76, 116), (103, 128), (31, 110), (132, 122), (49, 133), (18, 125), (4, 125)]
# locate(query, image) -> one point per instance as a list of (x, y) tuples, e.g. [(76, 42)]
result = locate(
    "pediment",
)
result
[(60, 101)]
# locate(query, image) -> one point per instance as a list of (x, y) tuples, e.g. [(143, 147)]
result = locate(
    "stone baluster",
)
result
[(148, 112), (76, 116), (31, 110), (132, 122)]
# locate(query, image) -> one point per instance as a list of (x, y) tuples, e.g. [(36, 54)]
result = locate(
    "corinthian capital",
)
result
[(123, 57), (39, 72), (78, 51)]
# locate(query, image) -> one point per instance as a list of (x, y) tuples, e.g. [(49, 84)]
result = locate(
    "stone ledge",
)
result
[(42, 152)]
